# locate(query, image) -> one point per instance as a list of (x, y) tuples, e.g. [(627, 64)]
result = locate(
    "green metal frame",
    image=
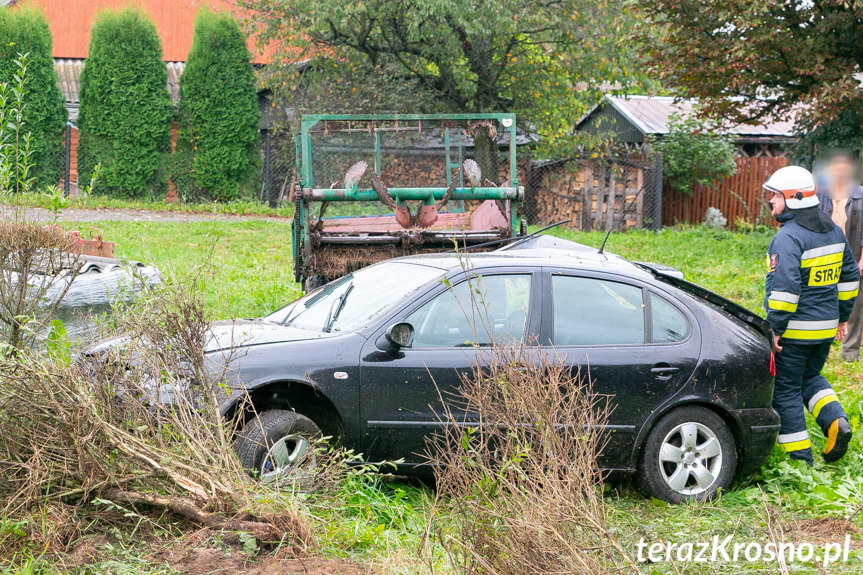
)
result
[(308, 192)]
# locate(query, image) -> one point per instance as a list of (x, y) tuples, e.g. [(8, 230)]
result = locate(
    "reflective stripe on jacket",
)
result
[(812, 281)]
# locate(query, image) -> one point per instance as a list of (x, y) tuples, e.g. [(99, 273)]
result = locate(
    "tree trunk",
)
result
[(485, 151)]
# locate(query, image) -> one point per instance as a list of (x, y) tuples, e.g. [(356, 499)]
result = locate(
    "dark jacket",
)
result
[(854, 210), (811, 283)]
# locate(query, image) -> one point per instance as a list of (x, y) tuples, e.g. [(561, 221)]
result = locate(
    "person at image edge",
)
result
[(812, 282)]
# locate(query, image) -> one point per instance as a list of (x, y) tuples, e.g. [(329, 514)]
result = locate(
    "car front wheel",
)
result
[(688, 455), (278, 445)]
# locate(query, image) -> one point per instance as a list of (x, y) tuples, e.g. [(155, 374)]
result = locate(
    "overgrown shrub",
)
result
[(24, 31), (37, 266), (519, 475), (217, 144), (125, 115), (693, 153)]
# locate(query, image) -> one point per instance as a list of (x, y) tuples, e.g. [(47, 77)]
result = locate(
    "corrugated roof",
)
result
[(650, 114), (69, 78)]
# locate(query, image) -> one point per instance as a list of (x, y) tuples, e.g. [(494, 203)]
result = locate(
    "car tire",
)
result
[(690, 454), (278, 445)]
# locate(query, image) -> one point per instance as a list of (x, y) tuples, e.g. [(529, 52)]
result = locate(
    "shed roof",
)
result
[(650, 115), (69, 77)]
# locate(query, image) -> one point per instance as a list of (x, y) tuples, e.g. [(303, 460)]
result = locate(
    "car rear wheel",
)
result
[(279, 445), (689, 455)]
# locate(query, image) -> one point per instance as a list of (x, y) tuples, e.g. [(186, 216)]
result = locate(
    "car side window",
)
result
[(590, 311), (478, 311), (668, 324)]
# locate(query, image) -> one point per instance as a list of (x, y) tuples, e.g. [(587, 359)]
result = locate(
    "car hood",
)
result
[(234, 334), (230, 334)]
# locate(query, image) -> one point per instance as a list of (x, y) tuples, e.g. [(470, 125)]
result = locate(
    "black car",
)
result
[(361, 359)]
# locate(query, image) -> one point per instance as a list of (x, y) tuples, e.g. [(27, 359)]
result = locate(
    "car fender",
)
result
[(676, 401)]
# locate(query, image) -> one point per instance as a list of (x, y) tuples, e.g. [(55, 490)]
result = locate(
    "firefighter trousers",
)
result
[(799, 383)]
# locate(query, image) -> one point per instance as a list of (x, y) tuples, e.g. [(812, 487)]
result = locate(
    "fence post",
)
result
[(67, 168), (657, 194), (265, 184)]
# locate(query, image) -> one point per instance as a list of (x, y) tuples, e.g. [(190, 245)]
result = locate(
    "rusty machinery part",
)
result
[(318, 226), (380, 188)]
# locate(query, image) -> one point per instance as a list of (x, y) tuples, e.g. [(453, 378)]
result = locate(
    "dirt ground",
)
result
[(210, 561), (196, 555)]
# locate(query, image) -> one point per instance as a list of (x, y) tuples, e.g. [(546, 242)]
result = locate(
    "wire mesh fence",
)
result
[(405, 155)]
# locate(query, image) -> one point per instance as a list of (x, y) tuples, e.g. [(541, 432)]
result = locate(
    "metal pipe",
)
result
[(67, 174)]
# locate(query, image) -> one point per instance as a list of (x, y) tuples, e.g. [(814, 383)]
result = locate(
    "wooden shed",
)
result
[(760, 149)]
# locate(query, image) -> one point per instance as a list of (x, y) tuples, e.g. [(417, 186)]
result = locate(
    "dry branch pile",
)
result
[(95, 429)]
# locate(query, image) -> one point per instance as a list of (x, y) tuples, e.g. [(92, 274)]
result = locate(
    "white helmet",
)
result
[(796, 185)]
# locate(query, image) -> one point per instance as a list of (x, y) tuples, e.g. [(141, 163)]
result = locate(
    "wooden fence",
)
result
[(738, 197)]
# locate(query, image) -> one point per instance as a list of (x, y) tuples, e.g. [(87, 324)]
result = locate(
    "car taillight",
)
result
[(772, 364)]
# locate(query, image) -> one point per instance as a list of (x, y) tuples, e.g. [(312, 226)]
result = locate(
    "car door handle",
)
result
[(664, 372)]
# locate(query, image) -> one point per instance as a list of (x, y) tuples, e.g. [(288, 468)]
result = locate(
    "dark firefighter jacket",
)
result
[(812, 281)]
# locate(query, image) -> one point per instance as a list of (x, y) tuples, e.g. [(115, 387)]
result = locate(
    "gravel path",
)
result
[(94, 215)]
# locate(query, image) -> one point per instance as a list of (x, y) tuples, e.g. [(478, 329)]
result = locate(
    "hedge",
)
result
[(217, 144), (125, 116), (24, 30)]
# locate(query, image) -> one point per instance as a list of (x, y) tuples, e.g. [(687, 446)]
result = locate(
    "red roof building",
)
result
[(71, 20)]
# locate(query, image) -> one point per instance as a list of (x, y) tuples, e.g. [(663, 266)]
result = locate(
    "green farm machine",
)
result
[(373, 187)]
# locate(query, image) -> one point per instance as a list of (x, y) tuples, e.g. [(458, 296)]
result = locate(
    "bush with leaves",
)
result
[(814, 141), (125, 115), (16, 163), (693, 153), (217, 144), (24, 31)]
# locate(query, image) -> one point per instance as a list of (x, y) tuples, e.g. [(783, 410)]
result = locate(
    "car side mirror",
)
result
[(400, 335)]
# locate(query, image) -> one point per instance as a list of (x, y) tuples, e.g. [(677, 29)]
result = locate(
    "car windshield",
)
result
[(352, 301)]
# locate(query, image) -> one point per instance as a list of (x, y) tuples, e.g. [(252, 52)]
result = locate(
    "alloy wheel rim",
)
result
[(690, 458), (291, 457)]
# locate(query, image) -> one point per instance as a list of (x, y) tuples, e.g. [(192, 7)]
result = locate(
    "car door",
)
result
[(636, 345), (400, 393)]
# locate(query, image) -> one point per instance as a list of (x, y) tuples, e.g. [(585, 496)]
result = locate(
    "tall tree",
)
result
[(125, 116), (546, 60), (25, 31), (217, 145), (750, 59)]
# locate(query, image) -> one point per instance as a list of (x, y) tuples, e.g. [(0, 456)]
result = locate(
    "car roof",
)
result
[(535, 251)]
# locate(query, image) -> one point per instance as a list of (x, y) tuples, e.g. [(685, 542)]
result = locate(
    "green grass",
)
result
[(381, 521), (246, 266), (244, 207)]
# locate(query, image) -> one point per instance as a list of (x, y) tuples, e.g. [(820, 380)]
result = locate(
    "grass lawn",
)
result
[(245, 266), (380, 521)]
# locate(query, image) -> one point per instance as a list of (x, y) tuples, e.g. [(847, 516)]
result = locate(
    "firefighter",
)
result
[(812, 281)]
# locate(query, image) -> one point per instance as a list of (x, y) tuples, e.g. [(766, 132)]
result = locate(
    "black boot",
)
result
[(838, 437)]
